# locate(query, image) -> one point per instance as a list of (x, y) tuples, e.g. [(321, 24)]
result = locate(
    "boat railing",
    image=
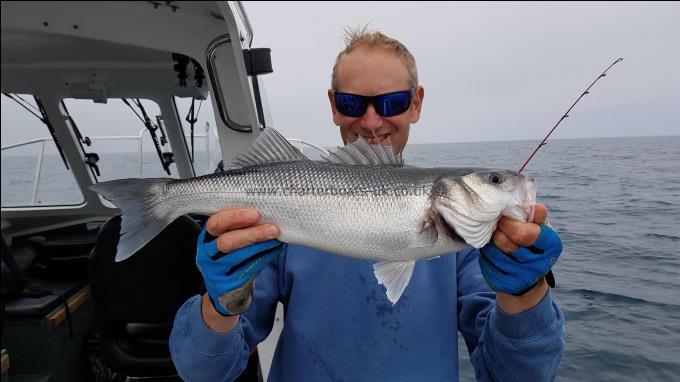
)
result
[(44, 140), (298, 143), (237, 9)]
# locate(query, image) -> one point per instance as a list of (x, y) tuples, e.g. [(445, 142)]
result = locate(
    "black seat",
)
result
[(136, 299)]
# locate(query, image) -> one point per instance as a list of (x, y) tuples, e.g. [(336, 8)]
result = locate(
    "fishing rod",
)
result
[(566, 114)]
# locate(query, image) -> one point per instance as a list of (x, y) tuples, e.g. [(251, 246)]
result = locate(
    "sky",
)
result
[(491, 71)]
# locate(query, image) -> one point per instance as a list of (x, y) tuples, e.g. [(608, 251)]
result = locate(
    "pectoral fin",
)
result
[(427, 233), (395, 276)]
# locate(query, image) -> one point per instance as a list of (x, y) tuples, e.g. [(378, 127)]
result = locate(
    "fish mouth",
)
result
[(524, 204), (474, 217), (529, 201)]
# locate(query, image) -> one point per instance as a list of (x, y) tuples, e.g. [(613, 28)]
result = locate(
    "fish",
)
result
[(360, 201)]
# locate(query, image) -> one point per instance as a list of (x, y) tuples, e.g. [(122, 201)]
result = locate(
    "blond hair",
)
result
[(355, 37)]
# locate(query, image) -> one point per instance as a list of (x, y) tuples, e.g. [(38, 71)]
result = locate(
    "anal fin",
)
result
[(395, 276)]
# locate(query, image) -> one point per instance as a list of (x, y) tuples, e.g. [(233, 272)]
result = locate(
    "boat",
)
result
[(69, 311)]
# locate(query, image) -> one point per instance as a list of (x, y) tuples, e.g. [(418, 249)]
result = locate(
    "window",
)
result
[(33, 172), (119, 137)]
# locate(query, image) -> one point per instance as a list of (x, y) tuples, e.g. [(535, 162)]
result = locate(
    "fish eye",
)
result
[(496, 178)]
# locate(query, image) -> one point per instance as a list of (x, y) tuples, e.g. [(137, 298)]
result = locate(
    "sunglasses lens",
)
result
[(393, 104), (350, 105)]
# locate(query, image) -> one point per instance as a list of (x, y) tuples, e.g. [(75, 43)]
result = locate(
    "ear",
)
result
[(417, 103), (334, 110)]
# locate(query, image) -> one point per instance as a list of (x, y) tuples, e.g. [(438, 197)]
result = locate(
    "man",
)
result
[(338, 323)]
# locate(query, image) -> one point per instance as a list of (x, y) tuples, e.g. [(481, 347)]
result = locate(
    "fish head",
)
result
[(512, 190), (472, 204)]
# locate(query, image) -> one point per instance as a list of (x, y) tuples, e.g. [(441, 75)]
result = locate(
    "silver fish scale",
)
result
[(320, 205)]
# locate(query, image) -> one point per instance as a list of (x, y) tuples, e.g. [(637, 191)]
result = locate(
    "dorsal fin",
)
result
[(269, 147), (361, 153)]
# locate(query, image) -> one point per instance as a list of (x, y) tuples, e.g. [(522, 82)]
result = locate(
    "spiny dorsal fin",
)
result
[(269, 147), (361, 153)]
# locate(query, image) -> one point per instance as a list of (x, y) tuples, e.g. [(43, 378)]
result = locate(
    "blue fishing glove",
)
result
[(518, 272), (229, 276)]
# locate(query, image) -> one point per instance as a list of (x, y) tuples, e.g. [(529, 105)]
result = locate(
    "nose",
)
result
[(371, 120)]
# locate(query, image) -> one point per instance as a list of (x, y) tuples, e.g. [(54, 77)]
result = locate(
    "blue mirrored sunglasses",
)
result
[(386, 105)]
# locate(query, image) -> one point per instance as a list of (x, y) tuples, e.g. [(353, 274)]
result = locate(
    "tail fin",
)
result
[(144, 215)]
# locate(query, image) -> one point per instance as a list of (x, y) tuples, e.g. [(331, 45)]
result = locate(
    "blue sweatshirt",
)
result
[(339, 326)]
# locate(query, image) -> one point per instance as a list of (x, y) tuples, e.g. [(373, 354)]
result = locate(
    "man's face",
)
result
[(371, 71)]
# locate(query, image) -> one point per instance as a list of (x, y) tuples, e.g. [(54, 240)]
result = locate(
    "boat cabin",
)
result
[(94, 91)]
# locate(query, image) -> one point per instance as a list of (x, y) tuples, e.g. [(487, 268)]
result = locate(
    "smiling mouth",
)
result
[(382, 139)]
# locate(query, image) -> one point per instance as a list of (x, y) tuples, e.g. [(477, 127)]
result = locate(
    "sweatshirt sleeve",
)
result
[(527, 346), (201, 354)]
